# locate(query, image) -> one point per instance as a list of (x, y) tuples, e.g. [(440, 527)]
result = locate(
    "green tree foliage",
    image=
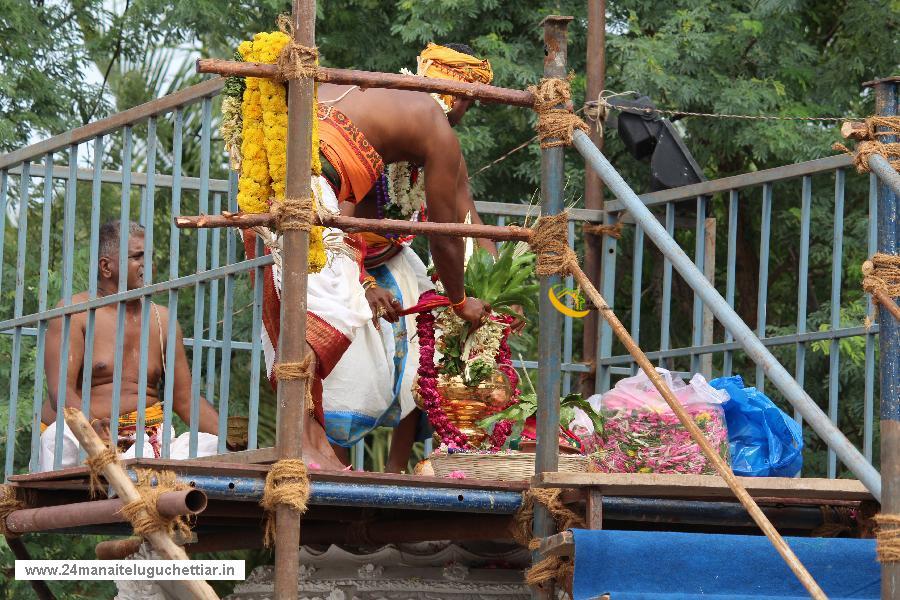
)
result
[(69, 62)]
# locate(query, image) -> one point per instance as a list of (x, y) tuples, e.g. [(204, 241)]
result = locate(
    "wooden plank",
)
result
[(657, 485), (221, 467), (243, 457), (561, 544), (593, 508)]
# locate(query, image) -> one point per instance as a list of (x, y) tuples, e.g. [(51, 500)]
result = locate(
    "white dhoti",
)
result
[(207, 445), (371, 385)]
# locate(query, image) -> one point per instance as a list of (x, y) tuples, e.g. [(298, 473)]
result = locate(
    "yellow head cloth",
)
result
[(441, 62)]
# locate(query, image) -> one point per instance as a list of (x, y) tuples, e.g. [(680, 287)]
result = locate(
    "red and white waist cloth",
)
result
[(336, 303)]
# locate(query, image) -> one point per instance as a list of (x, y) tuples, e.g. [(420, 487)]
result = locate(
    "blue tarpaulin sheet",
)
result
[(645, 565)]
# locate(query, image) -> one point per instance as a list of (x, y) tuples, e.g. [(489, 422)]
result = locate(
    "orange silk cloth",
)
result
[(441, 62), (357, 163)]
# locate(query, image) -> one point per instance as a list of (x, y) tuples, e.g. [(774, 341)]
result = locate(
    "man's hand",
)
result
[(383, 305), (518, 325), (474, 311)]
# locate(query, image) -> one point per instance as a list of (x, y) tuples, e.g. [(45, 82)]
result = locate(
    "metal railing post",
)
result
[(886, 104), (549, 351)]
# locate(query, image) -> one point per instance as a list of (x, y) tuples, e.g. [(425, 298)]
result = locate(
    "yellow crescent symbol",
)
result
[(575, 314)]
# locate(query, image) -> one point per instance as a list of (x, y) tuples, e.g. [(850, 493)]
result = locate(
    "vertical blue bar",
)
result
[(174, 255), (664, 332), (38, 398), (869, 396), (803, 284), (213, 307), (608, 291), (4, 201), (700, 261), (4, 197), (255, 336), (87, 373), (429, 447), (567, 324), (147, 210), (124, 226), (200, 288), (765, 234), (68, 266), (637, 284), (834, 355), (227, 311), (728, 357), (21, 244)]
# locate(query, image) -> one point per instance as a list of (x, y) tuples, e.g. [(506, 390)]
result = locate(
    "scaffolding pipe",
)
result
[(726, 315), (886, 173), (886, 104), (169, 504)]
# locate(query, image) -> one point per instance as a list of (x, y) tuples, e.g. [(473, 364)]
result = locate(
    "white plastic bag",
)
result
[(642, 434)]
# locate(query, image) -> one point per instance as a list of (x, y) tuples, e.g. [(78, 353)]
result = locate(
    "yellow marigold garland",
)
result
[(264, 143)]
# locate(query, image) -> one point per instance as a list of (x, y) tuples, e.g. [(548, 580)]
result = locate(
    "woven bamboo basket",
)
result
[(501, 467)]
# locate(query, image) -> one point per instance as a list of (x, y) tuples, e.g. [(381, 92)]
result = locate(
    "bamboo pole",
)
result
[(117, 477), (355, 224), (292, 346), (720, 465), (374, 79)]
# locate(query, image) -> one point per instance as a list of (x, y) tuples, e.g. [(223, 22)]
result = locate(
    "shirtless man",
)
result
[(359, 133), (104, 361)]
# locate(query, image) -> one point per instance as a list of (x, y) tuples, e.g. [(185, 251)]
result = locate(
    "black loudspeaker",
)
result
[(647, 135)]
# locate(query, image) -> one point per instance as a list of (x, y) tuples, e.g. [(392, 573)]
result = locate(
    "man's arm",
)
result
[(76, 360), (446, 198), (468, 206), (181, 388)]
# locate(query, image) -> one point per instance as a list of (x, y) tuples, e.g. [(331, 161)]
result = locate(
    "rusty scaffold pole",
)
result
[(549, 349), (887, 102), (593, 185), (291, 397)]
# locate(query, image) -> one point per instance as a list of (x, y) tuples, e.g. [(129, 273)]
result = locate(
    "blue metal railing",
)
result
[(176, 133)]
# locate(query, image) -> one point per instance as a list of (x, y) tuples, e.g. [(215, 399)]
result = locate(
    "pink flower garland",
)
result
[(431, 399)]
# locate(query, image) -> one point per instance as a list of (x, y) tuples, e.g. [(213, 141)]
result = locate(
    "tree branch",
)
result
[(112, 61)]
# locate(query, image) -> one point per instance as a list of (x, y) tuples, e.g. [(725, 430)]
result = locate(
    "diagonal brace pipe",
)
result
[(886, 173), (726, 315)]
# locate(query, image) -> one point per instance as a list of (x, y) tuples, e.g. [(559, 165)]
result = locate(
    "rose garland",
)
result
[(263, 144), (449, 434)]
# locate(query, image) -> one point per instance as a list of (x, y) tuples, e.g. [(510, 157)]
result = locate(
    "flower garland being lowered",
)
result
[(262, 143), (450, 435)]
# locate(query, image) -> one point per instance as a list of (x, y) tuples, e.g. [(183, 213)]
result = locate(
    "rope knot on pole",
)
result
[(95, 465), (9, 503), (286, 484), (869, 143), (143, 512), (613, 231), (295, 61), (556, 125), (552, 568), (296, 214), (304, 370), (549, 240), (881, 273), (887, 538)]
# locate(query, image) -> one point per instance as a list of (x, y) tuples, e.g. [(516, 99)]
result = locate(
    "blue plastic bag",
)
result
[(764, 441)]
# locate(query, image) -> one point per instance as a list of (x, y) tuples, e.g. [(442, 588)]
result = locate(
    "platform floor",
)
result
[(378, 508)]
